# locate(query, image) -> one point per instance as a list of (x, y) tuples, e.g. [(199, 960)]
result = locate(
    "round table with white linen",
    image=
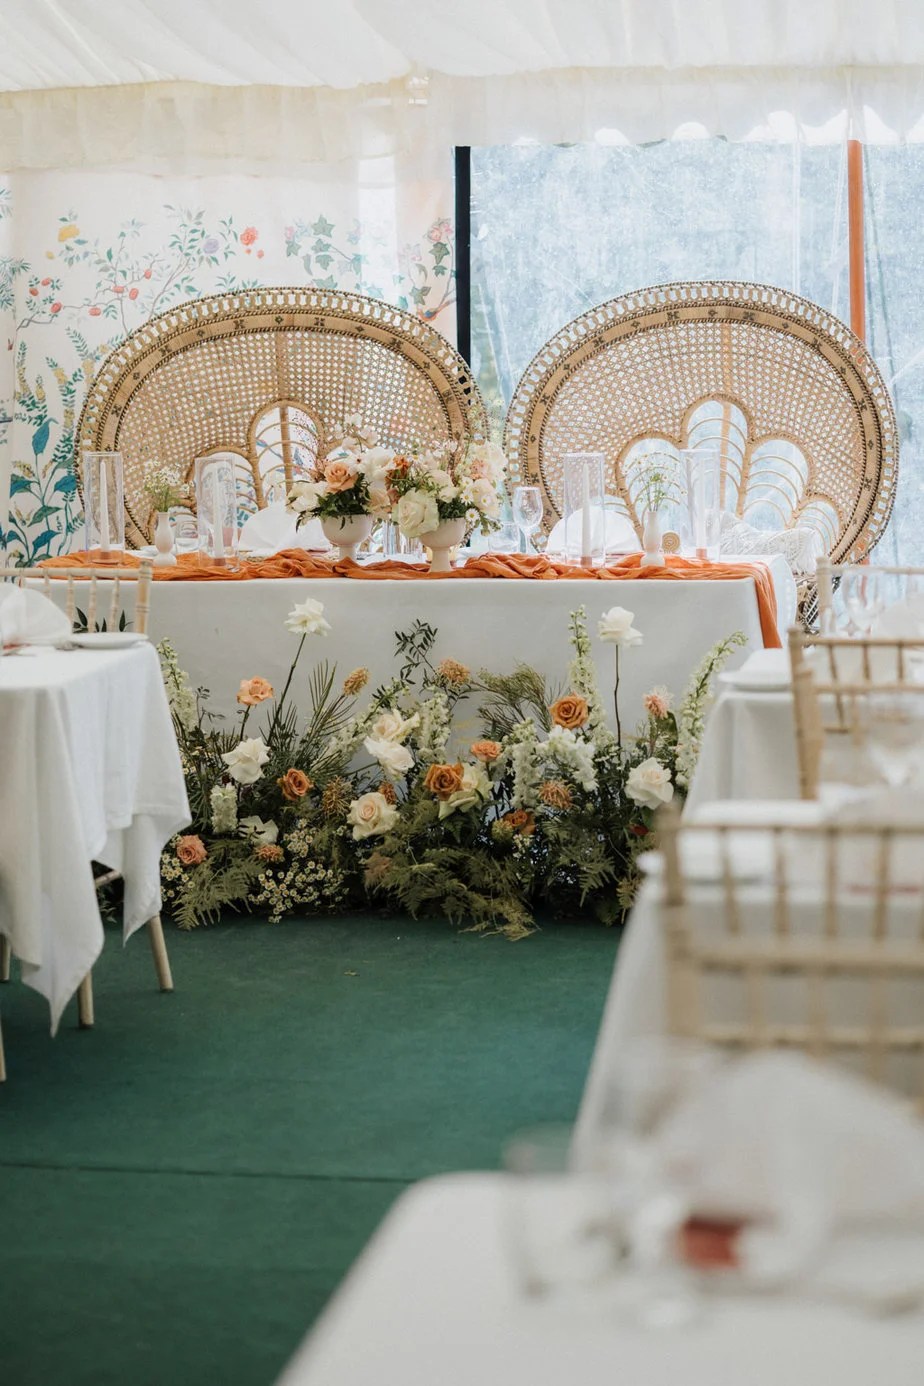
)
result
[(433, 1299), (227, 631), (91, 773)]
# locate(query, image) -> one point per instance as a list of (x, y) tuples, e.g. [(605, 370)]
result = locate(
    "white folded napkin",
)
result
[(902, 621), (29, 618), (272, 529), (812, 1155)]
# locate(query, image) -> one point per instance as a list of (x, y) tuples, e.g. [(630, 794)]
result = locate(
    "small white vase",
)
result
[(347, 532), (163, 541), (653, 557), (441, 541)]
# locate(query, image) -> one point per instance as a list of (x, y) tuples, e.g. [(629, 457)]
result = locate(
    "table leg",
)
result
[(85, 1002)]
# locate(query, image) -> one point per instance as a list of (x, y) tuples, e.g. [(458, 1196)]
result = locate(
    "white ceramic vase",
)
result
[(347, 532), (653, 556), (441, 541), (163, 541)]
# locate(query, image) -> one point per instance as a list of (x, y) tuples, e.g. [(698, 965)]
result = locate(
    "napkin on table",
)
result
[(273, 529), (29, 618)]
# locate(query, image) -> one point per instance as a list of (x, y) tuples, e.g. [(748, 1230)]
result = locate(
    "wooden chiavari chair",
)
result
[(831, 677), (829, 575), (841, 905), (63, 586)]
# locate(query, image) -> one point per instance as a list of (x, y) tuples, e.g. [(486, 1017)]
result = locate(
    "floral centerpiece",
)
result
[(442, 493), (349, 488), (164, 486), (386, 803)]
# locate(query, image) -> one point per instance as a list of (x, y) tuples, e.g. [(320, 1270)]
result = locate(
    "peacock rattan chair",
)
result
[(268, 374), (789, 394)]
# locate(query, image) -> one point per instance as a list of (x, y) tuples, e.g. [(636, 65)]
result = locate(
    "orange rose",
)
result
[(294, 784), (485, 750), (340, 476), (191, 850), (402, 464), (443, 780), (569, 711), (253, 691), (521, 821)]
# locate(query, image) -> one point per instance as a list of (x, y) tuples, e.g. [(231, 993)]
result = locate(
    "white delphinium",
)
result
[(691, 718), (522, 754), (180, 695), (435, 726), (223, 801), (582, 678), (572, 754)]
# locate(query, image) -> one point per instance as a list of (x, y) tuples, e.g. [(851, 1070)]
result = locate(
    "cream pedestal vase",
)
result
[(347, 532), (653, 557), (441, 541), (163, 541)]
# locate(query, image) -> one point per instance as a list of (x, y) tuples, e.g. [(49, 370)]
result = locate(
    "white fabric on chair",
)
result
[(92, 773), (29, 618)]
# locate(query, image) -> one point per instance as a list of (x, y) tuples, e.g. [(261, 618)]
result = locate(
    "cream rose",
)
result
[(307, 618), (394, 758), (616, 627), (649, 784), (474, 789), (485, 498), (446, 488), (417, 513), (371, 815), (245, 763), (391, 726)]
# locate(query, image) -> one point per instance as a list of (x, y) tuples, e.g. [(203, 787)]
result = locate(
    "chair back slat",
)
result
[(65, 587)]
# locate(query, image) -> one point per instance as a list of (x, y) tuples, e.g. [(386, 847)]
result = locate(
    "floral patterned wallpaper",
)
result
[(84, 260)]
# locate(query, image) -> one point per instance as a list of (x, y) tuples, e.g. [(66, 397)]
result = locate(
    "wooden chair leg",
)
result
[(159, 950), (6, 953), (85, 1002)]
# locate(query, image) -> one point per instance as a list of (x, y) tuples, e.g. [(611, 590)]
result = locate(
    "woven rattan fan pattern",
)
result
[(636, 368), (194, 379)]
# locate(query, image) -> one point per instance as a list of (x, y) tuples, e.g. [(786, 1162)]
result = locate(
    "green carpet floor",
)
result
[(182, 1188)]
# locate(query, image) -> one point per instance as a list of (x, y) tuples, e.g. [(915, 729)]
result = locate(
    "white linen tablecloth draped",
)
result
[(226, 631), (433, 1299), (92, 774)]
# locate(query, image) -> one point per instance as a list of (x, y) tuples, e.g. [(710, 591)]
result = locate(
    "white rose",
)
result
[(616, 627), (304, 496), (245, 763), (307, 618), (484, 497), (391, 726), (649, 784), (259, 831), (475, 788), (376, 461), (394, 758), (417, 513), (446, 489), (371, 815)]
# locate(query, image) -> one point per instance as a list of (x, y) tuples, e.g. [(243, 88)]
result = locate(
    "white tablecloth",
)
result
[(432, 1302), (91, 773), (748, 750), (224, 632)]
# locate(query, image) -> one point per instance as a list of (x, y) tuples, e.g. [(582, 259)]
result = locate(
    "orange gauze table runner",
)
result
[(297, 563)]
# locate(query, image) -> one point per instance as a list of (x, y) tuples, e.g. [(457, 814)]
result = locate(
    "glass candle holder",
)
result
[(584, 509), (104, 505), (702, 470), (216, 509)]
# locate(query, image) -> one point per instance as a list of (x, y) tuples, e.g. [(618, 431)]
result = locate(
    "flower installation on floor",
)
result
[(377, 804)]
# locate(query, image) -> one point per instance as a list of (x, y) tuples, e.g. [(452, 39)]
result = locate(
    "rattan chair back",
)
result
[(87, 605), (786, 392), (830, 963), (268, 375)]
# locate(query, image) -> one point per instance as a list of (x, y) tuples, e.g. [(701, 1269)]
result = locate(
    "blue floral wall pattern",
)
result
[(77, 275)]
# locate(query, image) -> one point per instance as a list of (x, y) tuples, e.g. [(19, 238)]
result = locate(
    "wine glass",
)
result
[(527, 511), (864, 600)]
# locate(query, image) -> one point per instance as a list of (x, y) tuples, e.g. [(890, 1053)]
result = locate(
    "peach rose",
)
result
[(521, 821), (444, 780), (486, 750), (340, 476), (253, 691), (294, 784), (191, 850), (402, 464), (569, 711)]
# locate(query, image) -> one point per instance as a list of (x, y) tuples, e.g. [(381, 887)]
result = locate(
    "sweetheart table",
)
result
[(224, 631), (91, 772)]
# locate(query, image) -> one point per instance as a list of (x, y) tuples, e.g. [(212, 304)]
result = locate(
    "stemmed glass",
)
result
[(527, 511), (864, 600)]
